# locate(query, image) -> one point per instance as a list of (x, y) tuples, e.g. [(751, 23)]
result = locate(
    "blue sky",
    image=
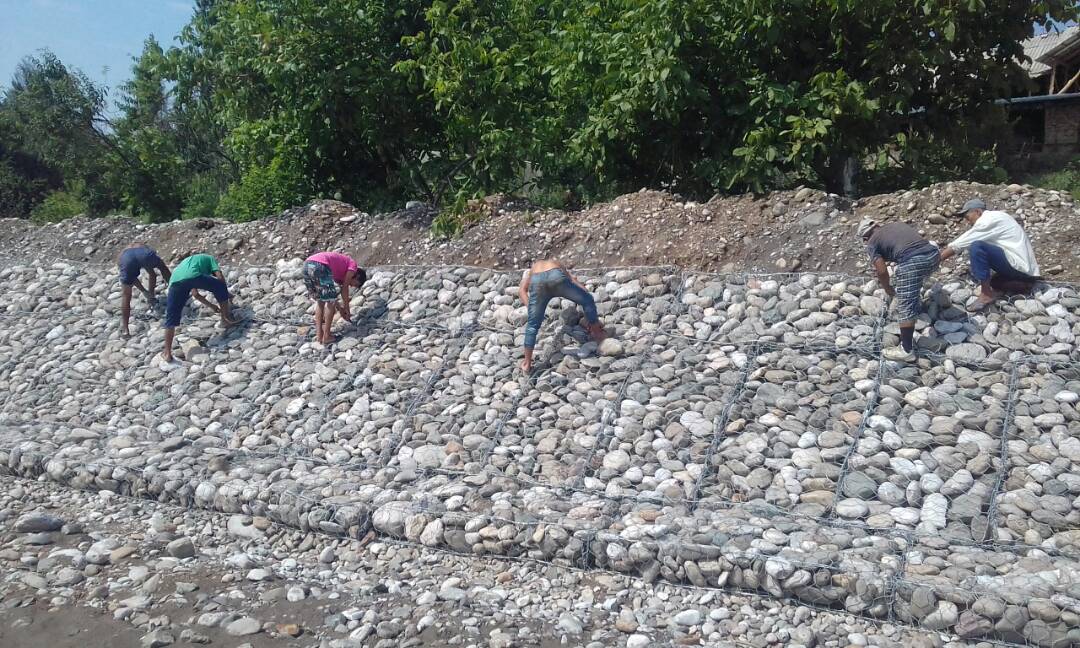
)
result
[(100, 37)]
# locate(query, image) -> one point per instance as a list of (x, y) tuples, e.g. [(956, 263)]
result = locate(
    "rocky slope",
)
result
[(738, 434), (779, 232)]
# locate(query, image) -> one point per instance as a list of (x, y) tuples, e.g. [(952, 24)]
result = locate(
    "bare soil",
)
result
[(800, 230)]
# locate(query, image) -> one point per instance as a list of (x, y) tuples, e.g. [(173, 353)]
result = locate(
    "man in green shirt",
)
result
[(195, 273)]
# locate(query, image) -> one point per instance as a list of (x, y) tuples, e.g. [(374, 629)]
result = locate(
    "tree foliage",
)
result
[(740, 94), (262, 104)]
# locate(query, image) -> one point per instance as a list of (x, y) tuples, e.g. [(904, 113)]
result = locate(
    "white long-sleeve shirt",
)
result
[(1000, 229)]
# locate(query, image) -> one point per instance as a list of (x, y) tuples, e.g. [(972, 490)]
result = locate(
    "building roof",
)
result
[(1043, 47), (1039, 102)]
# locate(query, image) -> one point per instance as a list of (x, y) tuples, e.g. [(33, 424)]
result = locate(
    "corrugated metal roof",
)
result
[(1039, 46)]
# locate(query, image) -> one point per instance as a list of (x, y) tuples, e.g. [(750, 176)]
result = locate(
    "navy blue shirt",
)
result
[(134, 260), (896, 243)]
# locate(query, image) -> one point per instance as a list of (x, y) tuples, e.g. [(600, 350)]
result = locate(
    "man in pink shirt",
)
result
[(324, 272)]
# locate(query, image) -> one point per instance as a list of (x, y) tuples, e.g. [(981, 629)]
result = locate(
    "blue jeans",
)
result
[(180, 292), (987, 258), (545, 286)]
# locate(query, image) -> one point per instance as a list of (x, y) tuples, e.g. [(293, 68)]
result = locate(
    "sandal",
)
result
[(980, 305)]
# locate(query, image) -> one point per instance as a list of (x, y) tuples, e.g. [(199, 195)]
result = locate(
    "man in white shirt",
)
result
[(999, 249)]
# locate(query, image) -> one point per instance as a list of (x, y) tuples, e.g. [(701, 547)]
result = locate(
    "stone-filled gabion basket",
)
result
[(737, 431)]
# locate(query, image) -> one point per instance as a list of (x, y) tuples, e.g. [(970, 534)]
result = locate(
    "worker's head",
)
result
[(972, 209), (866, 228), (359, 279)]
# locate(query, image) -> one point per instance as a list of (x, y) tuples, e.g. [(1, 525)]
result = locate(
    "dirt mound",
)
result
[(783, 231)]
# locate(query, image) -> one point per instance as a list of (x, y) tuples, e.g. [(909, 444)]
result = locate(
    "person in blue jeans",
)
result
[(544, 281), (1000, 251), (132, 261), (195, 273)]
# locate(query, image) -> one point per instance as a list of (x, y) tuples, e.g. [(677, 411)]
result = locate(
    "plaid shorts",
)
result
[(908, 281), (320, 282)]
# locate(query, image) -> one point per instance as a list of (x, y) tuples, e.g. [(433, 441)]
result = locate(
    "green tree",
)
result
[(306, 94), (24, 179), (153, 186), (57, 116), (703, 94)]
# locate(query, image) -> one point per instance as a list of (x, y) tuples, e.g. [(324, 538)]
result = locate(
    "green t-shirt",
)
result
[(194, 266)]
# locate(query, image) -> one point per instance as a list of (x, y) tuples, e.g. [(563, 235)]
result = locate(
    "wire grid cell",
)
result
[(1041, 324), (438, 365), (630, 302), (798, 309), (555, 427), (343, 404), (1037, 500), (52, 372), (929, 456), (454, 426), (33, 287), (456, 297), (790, 429), (17, 371), (984, 594), (223, 393), (665, 426)]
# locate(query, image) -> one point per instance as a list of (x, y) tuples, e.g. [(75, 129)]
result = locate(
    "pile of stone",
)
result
[(838, 310), (929, 456), (735, 432)]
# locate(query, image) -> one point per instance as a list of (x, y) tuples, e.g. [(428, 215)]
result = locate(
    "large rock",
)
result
[(38, 522), (966, 352)]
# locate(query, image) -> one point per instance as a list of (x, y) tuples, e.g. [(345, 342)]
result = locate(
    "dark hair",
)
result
[(361, 276)]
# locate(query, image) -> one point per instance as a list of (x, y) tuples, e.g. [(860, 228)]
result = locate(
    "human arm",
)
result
[(142, 289), (882, 271), (947, 254), (204, 301), (166, 274), (523, 287), (344, 307)]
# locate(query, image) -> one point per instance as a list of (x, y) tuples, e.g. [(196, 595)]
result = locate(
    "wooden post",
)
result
[(1053, 76), (1069, 84)]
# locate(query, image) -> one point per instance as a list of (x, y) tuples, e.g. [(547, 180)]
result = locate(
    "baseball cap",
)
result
[(974, 203)]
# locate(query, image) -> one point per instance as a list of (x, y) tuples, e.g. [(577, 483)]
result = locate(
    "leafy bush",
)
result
[(19, 194), (263, 190), (912, 162), (447, 226), (703, 95), (60, 205), (201, 198), (1066, 178)]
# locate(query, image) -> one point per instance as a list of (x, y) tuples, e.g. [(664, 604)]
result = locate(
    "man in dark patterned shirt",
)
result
[(915, 259)]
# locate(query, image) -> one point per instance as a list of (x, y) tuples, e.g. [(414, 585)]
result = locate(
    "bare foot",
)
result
[(597, 332), (981, 304), (167, 362)]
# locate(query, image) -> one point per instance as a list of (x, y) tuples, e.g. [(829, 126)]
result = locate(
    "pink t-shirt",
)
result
[(338, 263)]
